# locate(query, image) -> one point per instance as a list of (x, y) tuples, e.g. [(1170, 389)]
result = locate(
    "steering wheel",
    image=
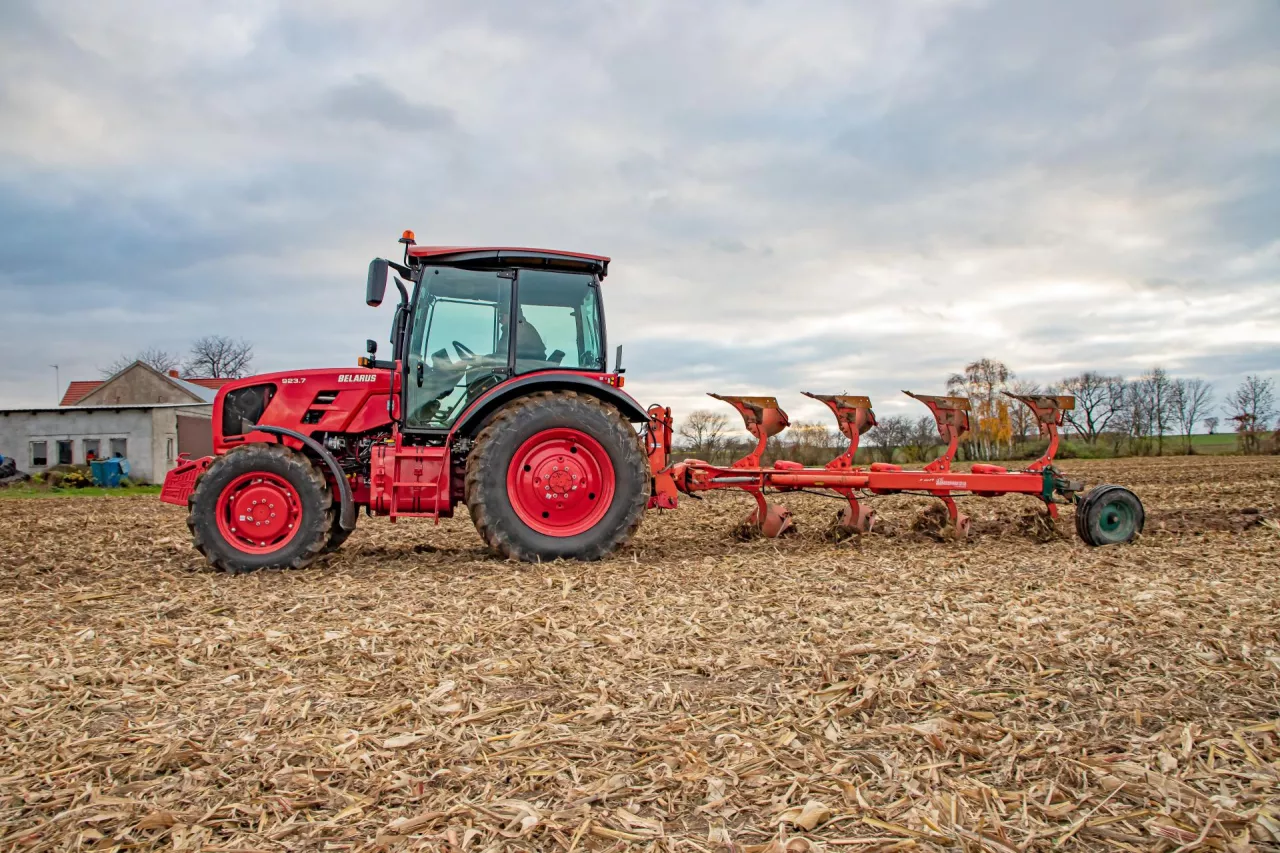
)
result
[(464, 352)]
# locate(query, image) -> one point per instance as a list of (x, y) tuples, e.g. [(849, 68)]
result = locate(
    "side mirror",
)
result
[(371, 346), (379, 271)]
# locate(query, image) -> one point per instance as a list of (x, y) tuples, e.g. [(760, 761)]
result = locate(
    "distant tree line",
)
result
[(210, 357), (1152, 413), (1135, 416)]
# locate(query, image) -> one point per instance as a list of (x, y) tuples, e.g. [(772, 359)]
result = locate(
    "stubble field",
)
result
[(696, 692)]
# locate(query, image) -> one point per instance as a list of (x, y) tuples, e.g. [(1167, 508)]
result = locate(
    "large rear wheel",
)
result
[(261, 506), (557, 474)]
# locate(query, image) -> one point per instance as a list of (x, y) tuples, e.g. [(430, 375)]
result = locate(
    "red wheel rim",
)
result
[(560, 482), (259, 513)]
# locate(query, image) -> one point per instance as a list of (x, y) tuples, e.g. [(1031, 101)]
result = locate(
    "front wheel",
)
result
[(557, 475), (261, 506)]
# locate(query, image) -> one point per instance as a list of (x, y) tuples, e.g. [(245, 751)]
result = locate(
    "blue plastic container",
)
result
[(109, 472)]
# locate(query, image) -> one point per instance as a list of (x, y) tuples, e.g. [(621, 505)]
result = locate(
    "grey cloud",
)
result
[(370, 99), (793, 192)]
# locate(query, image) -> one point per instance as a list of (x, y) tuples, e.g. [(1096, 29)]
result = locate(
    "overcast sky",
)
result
[(809, 195)]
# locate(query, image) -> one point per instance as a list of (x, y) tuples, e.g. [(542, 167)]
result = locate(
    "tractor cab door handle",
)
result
[(419, 374)]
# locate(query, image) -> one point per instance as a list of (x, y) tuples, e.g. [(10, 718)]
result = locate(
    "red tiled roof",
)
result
[(77, 391)]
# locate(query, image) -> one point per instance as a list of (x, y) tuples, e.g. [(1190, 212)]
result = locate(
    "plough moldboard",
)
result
[(1106, 515)]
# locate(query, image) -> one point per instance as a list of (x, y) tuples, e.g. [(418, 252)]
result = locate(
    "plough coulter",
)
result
[(1106, 516), (498, 395)]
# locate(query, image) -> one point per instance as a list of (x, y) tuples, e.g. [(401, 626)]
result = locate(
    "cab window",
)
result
[(558, 322), (458, 349)]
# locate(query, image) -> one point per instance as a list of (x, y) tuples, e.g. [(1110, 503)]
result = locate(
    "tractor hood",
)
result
[(335, 399)]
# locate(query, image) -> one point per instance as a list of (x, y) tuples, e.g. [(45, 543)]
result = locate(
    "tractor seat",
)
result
[(556, 357)]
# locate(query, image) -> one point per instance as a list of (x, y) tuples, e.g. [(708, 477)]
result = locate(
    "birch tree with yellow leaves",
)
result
[(990, 424)]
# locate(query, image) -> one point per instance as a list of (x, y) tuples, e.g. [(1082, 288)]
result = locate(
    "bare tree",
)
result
[(161, 360), (921, 439), (890, 433), (1252, 406), (1021, 417), (1098, 399), (219, 357), (1154, 396), (1127, 424), (1191, 399), (703, 432), (1211, 424), (810, 443)]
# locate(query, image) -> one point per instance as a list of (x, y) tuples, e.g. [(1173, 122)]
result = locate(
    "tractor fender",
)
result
[(347, 515), (495, 398)]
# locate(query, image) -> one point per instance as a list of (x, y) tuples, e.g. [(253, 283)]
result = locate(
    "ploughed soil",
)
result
[(1017, 691)]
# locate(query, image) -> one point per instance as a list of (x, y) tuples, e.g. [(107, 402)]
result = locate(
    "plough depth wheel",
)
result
[(1109, 515)]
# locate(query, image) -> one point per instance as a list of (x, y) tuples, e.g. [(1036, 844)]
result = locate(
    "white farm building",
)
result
[(141, 414)]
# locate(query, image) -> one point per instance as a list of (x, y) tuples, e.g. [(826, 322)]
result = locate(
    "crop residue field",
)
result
[(1003, 694)]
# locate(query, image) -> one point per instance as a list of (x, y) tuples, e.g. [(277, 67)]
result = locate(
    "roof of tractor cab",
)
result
[(514, 256)]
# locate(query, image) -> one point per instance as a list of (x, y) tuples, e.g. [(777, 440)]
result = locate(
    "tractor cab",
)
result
[(479, 316)]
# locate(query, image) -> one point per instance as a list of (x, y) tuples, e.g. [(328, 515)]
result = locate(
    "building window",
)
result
[(39, 454), (64, 451), (168, 449), (120, 447), (92, 449)]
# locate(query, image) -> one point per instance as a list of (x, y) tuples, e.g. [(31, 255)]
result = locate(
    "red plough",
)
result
[(765, 419)]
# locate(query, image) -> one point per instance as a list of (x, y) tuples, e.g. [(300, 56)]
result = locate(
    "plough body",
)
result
[(764, 419)]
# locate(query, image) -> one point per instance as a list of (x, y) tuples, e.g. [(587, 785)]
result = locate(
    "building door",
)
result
[(195, 436)]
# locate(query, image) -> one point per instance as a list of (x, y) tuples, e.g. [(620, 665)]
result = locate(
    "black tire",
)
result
[(337, 535), (1082, 511), (1110, 515), (318, 513), (497, 521)]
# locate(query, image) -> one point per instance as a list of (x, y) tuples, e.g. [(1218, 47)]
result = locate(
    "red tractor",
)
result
[(498, 394)]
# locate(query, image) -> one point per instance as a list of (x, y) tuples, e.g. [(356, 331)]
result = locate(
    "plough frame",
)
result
[(764, 419)]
